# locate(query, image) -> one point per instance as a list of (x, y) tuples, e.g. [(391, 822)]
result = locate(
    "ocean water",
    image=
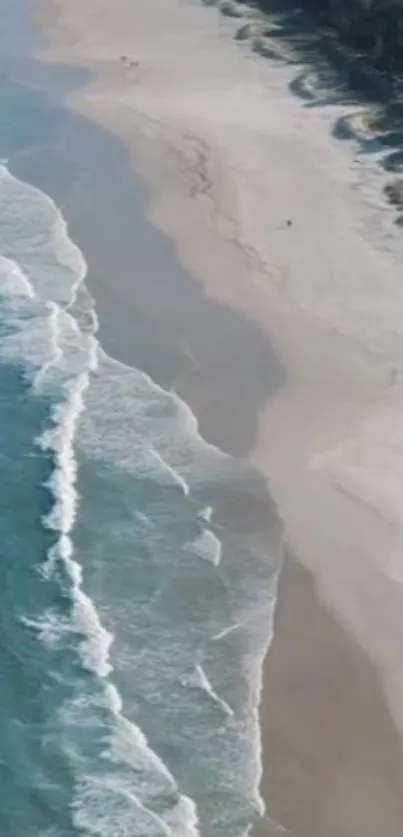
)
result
[(138, 584)]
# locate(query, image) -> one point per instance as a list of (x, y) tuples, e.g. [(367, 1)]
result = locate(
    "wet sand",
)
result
[(333, 759)]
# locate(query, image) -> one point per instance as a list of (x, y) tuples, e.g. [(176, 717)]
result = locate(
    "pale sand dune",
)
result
[(230, 155)]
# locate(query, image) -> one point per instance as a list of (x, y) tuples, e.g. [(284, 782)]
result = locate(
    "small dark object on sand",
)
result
[(289, 222), (128, 61)]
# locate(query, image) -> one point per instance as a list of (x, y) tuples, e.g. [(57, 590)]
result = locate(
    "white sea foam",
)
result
[(96, 642), (177, 479), (148, 431), (128, 774), (39, 277), (207, 546), (51, 628), (107, 805), (34, 233), (56, 354), (14, 285), (198, 679), (226, 631), (207, 513)]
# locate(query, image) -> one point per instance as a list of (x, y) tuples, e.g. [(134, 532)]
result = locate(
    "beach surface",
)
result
[(229, 155)]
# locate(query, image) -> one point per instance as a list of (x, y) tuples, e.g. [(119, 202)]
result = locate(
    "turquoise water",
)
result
[(136, 592)]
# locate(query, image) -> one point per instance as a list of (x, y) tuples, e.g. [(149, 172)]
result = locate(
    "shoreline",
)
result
[(351, 392)]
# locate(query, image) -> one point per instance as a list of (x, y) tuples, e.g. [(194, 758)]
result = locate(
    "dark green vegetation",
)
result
[(374, 28), (345, 52)]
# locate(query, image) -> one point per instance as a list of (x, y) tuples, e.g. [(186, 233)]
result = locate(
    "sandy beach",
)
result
[(229, 155)]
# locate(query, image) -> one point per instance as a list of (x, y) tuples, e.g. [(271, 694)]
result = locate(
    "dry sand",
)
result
[(230, 155)]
